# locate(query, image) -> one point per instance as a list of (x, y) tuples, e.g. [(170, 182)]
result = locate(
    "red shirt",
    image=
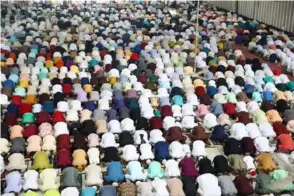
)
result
[(16, 99), (229, 108), (25, 108), (58, 117)]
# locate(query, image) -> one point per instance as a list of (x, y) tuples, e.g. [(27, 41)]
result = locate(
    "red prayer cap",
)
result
[(135, 56), (16, 99)]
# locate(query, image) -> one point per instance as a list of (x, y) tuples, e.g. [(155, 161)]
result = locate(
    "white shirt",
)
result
[(103, 104), (127, 124), (172, 168), (238, 131), (31, 180), (192, 99), (60, 128), (156, 136), (249, 161), (208, 185), (56, 88), (137, 137), (93, 175), (70, 191), (209, 120), (146, 152), (62, 106), (188, 122), (72, 115), (187, 110), (130, 153), (93, 154), (198, 148), (76, 105), (262, 145), (176, 150), (267, 130), (114, 126), (177, 111), (252, 106), (253, 130), (108, 140), (168, 122)]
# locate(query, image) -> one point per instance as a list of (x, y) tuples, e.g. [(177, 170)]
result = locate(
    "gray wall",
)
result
[(277, 13)]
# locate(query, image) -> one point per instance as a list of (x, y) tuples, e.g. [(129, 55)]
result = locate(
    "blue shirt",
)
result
[(178, 100), (268, 96), (114, 172), (48, 106), (211, 91), (88, 191), (90, 105), (8, 83), (161, 150), (12, 108)]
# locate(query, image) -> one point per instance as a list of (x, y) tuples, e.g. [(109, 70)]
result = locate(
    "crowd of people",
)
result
[(124, 99)]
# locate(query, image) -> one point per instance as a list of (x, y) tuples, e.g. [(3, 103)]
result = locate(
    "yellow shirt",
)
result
[(74, 69), (24, 83), (112, 80), (49, 64), (199, 82), (88, 88)]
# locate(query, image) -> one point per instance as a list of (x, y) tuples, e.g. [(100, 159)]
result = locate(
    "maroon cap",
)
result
[(166, 111), (30, 130), (63, 158), (174, 134), (43, 117), (63, 141), (155, 122), (199, 91), (10, 119), (243, 117)]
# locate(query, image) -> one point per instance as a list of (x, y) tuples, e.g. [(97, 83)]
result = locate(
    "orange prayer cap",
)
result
[(58, 58), (9, 61), (13, 56), (31, 99), (59, 64)]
